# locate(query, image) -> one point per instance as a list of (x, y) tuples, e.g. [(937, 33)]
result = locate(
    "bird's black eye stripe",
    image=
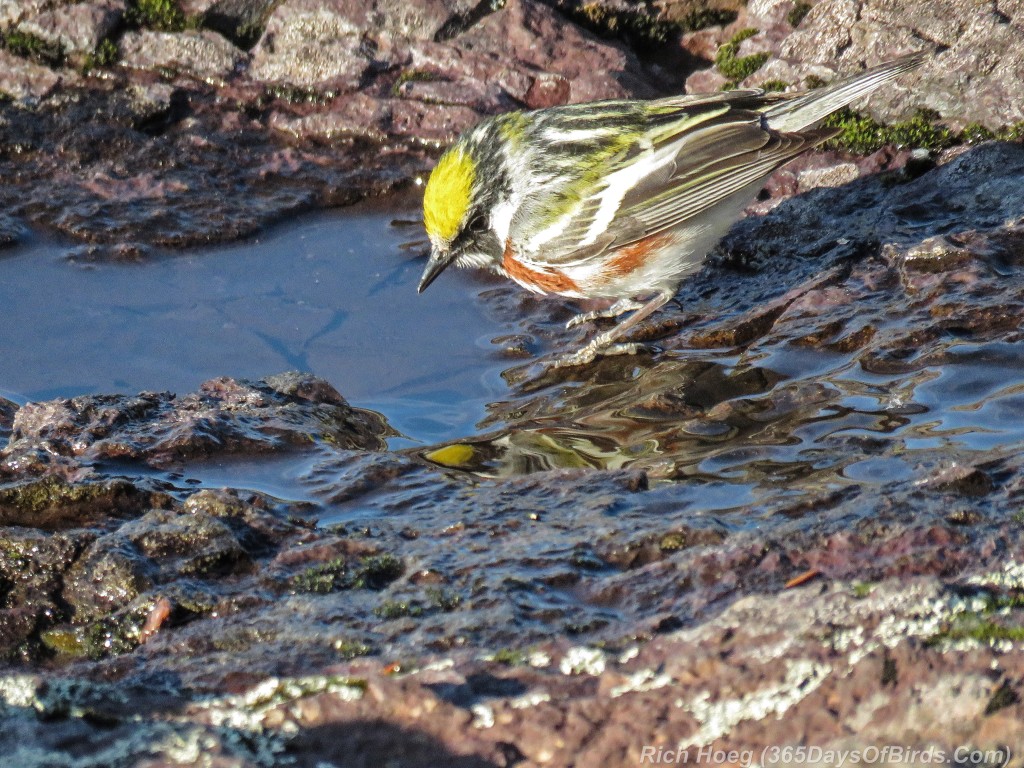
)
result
[(478, 224)]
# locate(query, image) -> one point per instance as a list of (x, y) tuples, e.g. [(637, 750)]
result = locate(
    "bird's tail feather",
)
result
[(803, 111)]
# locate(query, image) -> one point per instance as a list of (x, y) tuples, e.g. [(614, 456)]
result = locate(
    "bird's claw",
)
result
[(620, 307), (580, 319), (589, 353)]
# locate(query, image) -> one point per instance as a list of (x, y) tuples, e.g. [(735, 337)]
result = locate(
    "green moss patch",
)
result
[(735, 67), (703, 18), (162, 15), (797, 14), (52, 503), (511, 657), (35, 48), (862, 134), (374, 572), (995, 621), (775, 85), (396, 609), (105, 55), (641, 29)]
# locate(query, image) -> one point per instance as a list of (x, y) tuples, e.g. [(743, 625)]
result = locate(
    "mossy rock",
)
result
[(372, 572), (863, 135), (161, 15), (735, 67), (52, 503), (35, 48)]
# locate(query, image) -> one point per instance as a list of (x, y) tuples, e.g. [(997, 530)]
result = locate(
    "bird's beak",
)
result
[(437, 263)]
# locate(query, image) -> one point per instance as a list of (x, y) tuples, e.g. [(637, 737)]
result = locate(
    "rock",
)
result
[(376, 119), (26, 81), (32, 564), (225, 416), (186, 545), (523, 54), (331, 46), (983, 56), (306, 54), (53, 503), (110, 574), (195, 9), (203, 54), (150, 102), (13, 11), (834, 176), (241, 21), (535, 36), (188, 156), (77, 28), (10, 231)]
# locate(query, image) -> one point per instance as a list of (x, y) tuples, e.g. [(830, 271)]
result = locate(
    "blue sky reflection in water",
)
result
[(334, 294)]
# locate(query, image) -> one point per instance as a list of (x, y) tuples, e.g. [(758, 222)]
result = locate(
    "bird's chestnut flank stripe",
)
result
[(634, 256), (535, 280)]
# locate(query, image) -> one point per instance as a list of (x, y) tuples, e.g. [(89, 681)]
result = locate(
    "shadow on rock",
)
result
[(370, 743), (64, 718)]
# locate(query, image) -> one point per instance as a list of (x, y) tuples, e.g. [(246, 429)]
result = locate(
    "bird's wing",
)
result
[(691, 155), (709, 167)]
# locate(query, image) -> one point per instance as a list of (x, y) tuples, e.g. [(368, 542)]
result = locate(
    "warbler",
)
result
[(618, 199)]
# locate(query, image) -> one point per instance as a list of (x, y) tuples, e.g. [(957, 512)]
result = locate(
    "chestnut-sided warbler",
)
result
[(618, 199)]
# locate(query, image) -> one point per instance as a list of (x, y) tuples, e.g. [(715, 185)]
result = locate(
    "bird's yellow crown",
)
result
[(447, 196)]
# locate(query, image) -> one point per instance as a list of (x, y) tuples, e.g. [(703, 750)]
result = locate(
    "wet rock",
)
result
[(843, 364), (77, 28), (205, 55), (186, 545), (178, 165), (965, 481), (225, 416), (32, 564), (151, 104), (259, 523), (54, 503), (7, 411), (158, 562), (110, 574), (10, 231)]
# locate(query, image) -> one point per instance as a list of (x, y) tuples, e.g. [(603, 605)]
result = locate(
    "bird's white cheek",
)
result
[(501, 218), (474, 259)]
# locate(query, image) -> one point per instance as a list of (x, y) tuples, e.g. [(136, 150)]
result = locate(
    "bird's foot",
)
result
[(620, 307), (589, 353)]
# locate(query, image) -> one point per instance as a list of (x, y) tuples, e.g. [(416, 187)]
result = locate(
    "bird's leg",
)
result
[(620, 307), (602, 344)]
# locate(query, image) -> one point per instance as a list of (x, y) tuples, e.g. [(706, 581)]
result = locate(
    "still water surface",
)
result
[(332, 293)]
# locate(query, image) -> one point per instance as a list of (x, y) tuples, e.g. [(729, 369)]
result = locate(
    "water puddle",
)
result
[(334, 294)]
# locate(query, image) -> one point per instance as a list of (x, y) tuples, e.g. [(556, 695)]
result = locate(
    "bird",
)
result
[(619, 199)]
